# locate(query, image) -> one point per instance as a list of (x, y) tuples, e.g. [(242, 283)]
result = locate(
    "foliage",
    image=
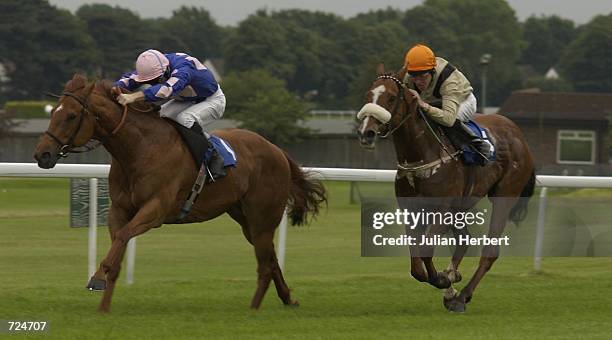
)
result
[(320, 56), (260, 43), (119, 35), (197, 30), (587, 60), (546, 39), (42, 46), (261, 103)]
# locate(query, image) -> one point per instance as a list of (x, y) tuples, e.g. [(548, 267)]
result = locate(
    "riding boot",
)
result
[(215, 164), (482, 147)]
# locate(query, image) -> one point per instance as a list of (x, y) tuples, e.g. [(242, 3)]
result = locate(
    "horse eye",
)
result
[(71, 116)]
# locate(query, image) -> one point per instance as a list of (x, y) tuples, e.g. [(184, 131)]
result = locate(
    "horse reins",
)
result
[(66, 148), (402, 87)]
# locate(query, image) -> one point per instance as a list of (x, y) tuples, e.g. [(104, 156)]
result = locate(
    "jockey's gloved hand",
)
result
[(116, 91), (416, 96), (128, 98)]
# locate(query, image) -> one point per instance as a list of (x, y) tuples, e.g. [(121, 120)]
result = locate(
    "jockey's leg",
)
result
[(198, 116), (466, 111)]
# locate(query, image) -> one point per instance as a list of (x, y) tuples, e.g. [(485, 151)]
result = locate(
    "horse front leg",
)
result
[(147, 217), (437, 279), (490, 253), (117, 219)]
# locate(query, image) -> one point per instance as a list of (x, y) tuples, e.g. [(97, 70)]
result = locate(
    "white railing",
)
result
[(94, 171)]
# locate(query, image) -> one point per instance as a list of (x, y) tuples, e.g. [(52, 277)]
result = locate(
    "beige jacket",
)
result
[(454, 91)]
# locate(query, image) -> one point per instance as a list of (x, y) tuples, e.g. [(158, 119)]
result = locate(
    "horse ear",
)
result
[(380, 69), (79, 77), (401, 73)]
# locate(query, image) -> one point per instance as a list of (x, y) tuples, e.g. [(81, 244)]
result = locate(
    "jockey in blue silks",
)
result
[(193, 97)]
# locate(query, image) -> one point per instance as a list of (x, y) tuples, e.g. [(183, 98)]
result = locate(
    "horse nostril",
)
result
[(45, 156), (370, 135)]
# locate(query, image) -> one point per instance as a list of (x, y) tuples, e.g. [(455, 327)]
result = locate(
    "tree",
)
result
[(375, 17), (261, 103), (587, 60), (197, 30), (119, 34), (546, 38), (162, 39), (41, 48), (260, 43)]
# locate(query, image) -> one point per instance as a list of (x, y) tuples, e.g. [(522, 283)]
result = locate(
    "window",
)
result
[(576, 147)]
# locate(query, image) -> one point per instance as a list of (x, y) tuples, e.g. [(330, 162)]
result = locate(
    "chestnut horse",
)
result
[(152, 173), (428, 166)]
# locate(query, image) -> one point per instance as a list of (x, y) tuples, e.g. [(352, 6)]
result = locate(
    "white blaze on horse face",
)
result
[(376, 92), (58, 108)]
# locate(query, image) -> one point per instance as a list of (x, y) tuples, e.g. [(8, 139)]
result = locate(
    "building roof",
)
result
[(533, 104)]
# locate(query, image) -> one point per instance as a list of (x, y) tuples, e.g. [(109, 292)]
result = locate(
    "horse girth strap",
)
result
[(446, 72)]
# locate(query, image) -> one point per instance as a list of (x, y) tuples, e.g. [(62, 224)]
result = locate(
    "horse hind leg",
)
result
[(264, 252), (281, 286), (267, 263)]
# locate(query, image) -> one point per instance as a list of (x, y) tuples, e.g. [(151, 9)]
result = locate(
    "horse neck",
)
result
[(414, 143), (134, 138)]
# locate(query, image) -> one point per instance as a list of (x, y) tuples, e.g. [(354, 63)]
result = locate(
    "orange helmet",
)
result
[(419, 58)]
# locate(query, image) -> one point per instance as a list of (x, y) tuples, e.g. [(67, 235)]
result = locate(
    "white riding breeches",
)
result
[(186, 112), (467, 109)]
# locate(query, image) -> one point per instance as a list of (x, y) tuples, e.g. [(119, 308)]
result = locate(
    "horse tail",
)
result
[(519, 211), (306, 195)]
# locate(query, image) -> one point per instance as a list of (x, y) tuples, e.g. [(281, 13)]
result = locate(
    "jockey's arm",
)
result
[(179, 78), (447, 114), (127, 82)]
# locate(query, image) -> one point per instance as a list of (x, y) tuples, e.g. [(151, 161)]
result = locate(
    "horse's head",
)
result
[(385, 109), (72, 123)]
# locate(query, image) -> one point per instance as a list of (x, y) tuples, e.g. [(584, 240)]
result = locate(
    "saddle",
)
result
[(202, 147)]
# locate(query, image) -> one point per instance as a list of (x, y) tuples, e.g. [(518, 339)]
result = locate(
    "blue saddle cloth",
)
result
[(470, 157), (224, 149)]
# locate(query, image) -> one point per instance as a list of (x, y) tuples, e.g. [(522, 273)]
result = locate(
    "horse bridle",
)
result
[(68, 147), (401, 87)]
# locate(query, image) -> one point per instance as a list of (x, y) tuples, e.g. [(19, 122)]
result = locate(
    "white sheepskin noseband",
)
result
[(370, 109)]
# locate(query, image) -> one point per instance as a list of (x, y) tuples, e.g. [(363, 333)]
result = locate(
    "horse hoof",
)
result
[(96, 284), (454, 305), (453, 275), (293, 303), (441, 281)]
